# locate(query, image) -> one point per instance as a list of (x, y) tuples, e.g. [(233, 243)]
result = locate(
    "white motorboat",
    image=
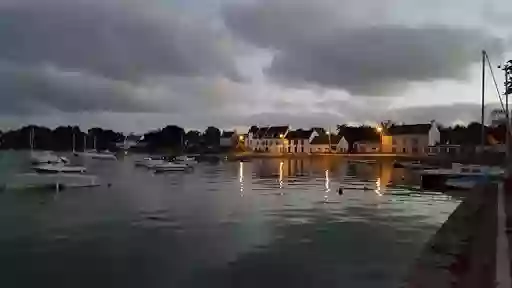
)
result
[(170, 166), (105, 155), (185, 160), (48, 157), (58, 168)]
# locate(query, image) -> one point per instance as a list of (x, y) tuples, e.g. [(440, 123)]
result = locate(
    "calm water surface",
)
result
[(265, 223)]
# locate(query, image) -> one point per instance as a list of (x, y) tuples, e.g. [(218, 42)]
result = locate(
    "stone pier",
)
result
[(466, 251)]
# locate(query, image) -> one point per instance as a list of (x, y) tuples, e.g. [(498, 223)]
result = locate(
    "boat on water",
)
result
[(103, 155), (170, 166), (413, 165), (95, 154), (458, 173), (185, 160), (40, 157), (461, 183), (58, 168), (48, 157), (362, 161), (151, 161)]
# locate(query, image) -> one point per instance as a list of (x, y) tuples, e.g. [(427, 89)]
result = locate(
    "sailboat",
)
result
[(41, 157), (94, 154), (47, 162)]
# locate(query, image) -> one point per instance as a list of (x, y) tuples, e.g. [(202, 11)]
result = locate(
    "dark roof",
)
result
[(299, 134), (261, 132), (324, 140), (253, 129), (276, 131), (416, 129)]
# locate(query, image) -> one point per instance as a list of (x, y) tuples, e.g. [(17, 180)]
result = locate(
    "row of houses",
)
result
[(403, 139), (417, 139), (281, 139)]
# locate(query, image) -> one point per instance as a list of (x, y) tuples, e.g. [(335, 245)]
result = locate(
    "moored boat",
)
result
[(170, 166), (58, 168), (438, 178)]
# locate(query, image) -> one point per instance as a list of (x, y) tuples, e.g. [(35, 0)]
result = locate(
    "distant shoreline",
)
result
[(251, 155)]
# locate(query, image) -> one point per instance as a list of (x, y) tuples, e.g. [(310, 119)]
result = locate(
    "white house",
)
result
[(414, 139), (298, 141), (267, 139), (328, 144)]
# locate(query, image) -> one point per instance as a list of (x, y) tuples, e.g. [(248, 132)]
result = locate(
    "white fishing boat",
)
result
[(28, 181), (170, 166), (58, 168)]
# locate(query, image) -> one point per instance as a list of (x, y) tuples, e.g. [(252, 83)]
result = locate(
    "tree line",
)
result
[(62, 138), (176, 138)]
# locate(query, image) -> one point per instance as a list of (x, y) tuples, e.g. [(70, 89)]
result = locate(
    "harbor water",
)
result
[(262, 223)]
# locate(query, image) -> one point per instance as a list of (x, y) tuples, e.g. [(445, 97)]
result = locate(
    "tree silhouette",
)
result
[(212, 136)]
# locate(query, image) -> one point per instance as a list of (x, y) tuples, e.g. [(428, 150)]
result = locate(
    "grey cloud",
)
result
[(116, 39), (46, 89), (103, 55), (314, 47)]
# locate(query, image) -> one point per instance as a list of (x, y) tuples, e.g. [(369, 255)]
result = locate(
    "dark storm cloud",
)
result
[(44, 89), (98, 55), (317, 46), (117, 39)]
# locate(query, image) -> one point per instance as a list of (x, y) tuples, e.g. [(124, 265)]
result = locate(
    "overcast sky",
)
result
[(135, 65)]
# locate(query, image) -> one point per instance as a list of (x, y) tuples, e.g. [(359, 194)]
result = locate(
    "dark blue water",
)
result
[(266, 223)]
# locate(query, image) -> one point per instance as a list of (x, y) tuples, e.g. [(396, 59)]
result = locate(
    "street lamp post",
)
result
[(379, 130), (329, 136), (282, 143)]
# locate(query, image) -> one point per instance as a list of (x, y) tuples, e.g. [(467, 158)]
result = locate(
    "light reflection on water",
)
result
[(265, 223)]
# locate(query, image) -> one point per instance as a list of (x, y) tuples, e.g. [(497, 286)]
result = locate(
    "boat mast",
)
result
[(507, 115), (74, 141), (507, 69), (31, 138), (482, 136)]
